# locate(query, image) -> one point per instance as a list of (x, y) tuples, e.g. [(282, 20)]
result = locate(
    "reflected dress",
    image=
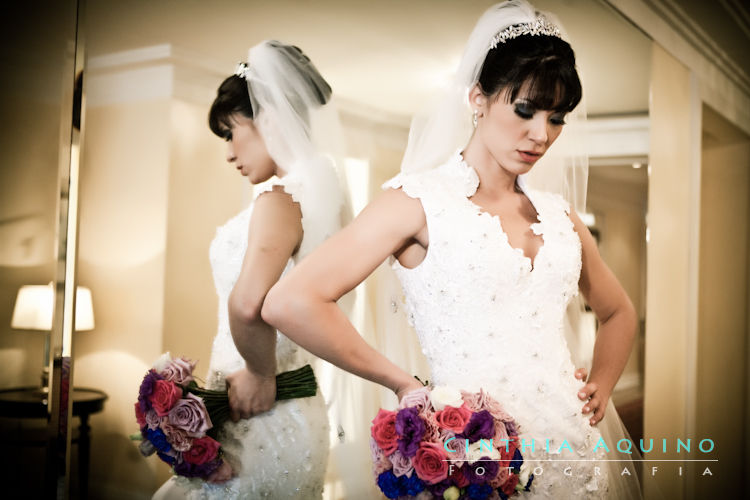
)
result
[(282, 453)]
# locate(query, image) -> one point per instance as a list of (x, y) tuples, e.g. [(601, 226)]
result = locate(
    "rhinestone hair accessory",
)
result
[(540, 26), (241, 70)]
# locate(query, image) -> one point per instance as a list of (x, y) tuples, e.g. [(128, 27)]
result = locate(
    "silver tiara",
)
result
[(540, 26), (242, 70)]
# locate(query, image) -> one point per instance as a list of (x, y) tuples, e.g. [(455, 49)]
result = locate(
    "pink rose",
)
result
[(165, 395), (204, 450), (152, 420), (190, 415), (478, 401), (380, 462), (383, 430), (452, 418), (500, 433), (179, 371), (177, 437), (458, 447), (139, 416), (401, 465), (431, 430), (419, 399), (430, 463)]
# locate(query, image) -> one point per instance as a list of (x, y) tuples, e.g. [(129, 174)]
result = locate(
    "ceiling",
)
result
[(387, 55)]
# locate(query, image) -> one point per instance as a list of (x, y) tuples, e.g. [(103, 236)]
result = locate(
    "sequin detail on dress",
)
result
[(486, 319), (280, 454)]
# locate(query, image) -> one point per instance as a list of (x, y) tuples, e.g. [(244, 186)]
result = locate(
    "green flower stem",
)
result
[(299, 383)]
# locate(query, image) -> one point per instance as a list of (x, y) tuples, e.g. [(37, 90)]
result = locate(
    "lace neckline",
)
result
[(536, 227)]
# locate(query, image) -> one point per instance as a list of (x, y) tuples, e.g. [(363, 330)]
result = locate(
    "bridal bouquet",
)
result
[(179, 420), (446, 443)]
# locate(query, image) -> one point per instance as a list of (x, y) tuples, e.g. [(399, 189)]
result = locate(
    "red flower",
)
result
[(430, 463), (139, 416), (164, 397), (453, 418), (204, 450), (510, 485), (383, 431)]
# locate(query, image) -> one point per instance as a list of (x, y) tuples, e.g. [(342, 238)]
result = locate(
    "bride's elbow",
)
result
[(279, 306)]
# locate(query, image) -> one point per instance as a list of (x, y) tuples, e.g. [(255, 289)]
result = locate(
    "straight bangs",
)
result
[(232, 98), (551, 84)]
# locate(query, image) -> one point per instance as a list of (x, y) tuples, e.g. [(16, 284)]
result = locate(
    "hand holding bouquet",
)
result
[(179, 420), (446, 443)]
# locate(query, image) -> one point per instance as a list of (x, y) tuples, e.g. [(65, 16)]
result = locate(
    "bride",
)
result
[(271, 114), (488, 264)]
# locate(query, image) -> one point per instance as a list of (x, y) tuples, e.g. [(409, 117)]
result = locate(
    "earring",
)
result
[(475, 118)]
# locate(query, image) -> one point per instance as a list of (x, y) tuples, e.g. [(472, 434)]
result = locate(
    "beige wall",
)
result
[(669, 310), (723, 314), (150, 171), (620, 210)]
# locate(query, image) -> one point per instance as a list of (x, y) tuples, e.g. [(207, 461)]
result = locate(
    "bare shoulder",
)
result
[(396, 209)]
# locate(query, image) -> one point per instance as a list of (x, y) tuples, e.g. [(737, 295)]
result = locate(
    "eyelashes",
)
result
[(526, 111)]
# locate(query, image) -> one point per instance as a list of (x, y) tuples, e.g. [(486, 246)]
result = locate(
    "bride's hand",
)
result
[(409, 385), (581, 374), (223, 473), (595, 397), (249, 394)]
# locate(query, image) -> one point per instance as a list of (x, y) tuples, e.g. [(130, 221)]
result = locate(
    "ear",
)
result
[(477, 99)]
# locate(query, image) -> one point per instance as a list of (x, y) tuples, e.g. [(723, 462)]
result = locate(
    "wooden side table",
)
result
[(30, 402)]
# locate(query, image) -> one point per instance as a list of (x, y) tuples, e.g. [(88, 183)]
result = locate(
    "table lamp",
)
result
[(33, 311)]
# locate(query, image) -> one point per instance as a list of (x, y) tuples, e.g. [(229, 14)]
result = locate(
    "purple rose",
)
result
[(490, 470), (152, 420), (480, 426), (190, 415), (179, 371), (192, 470), (147, 388), (410, 428)]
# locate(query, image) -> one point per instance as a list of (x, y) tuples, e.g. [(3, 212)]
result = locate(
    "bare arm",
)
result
[(617, 323), (274, 233), (303, 303)]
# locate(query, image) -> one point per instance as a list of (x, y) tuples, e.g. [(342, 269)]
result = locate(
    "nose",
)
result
[(230, 152), (539, 129)]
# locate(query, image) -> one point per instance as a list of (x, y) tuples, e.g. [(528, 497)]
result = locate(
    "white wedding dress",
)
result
[(486, 318), (280, 454)]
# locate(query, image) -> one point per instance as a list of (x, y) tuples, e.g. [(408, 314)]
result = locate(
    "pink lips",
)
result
[(529, 156)]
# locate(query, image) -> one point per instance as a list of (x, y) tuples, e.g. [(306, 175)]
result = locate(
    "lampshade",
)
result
[(34, 305)]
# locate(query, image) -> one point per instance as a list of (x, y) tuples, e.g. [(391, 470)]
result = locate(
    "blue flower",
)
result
[(410, 486), (528, 485), (478, 491), (388, 484), (167, 458), (517, 460), (159, 440)]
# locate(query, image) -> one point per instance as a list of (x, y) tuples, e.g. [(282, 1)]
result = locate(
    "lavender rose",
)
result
[(177, 437), (418, 398), (152, 420), (410, 428), (480, 426), (179, 371), (401, 465), (190, 415)]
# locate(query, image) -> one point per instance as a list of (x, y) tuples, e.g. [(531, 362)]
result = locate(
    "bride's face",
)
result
[(516, 133), (248, 152)]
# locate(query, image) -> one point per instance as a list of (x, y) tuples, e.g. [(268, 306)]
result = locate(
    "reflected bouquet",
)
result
[(446, 443), (179, 420)]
